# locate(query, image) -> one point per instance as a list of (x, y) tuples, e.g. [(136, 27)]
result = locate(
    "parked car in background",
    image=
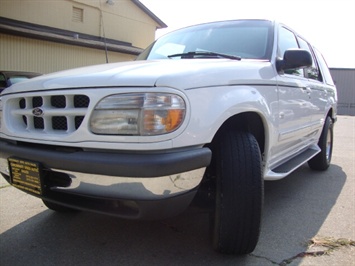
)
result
[(8, 78), (210, 110)]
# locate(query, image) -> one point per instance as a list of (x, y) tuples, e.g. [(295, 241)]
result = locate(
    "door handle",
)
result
[(308, 90)]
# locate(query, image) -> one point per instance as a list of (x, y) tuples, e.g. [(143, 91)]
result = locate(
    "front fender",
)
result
[(212, 106)]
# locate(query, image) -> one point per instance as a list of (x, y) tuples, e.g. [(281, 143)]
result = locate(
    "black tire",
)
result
[(322, 160), (56, 207), (239, 195)]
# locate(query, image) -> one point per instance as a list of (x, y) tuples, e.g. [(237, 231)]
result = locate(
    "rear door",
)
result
[(318, 89)]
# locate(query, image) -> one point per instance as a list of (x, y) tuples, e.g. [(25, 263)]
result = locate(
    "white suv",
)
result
[(218, 107)]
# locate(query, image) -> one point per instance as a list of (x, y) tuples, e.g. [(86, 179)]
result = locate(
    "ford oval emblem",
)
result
[(37, 111)]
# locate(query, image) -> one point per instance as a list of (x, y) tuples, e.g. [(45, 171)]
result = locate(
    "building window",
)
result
[(78, 14)]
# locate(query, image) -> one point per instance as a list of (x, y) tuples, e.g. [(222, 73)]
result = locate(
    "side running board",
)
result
[(289, 166)]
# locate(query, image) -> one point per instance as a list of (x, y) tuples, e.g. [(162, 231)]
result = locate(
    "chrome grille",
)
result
[(52, 113)]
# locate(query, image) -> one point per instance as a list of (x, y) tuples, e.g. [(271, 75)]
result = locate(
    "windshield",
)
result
[(248, 39)]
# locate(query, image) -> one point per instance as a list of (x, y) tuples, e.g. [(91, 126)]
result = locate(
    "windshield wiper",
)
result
[(208, 54)]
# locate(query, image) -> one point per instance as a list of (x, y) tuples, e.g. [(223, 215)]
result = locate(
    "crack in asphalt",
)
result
[(330, 248), (302, 255), (265, 258), (291, 259)]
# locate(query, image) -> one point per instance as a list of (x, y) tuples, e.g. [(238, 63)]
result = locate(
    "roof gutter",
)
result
[(29, 30)]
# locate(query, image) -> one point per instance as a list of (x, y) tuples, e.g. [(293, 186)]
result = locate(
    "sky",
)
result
[(328, 24)]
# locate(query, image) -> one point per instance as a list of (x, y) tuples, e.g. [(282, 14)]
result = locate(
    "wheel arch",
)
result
[(331, 114), (249, 121)]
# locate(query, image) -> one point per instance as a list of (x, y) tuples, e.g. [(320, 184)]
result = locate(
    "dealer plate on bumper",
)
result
[(26, 175)]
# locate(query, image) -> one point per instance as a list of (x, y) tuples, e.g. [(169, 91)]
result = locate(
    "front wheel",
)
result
[(321, 161), (239, 195)]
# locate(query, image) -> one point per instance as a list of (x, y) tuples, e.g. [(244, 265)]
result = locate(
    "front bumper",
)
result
[(137, 186)]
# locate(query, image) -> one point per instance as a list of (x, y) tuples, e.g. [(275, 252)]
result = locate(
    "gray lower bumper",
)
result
[(144, 181), (111, 163)]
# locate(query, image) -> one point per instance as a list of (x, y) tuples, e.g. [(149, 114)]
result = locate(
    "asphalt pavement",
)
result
[(305, 205)]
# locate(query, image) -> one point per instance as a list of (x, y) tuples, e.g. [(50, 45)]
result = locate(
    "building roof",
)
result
[(31, 30), (150, 14)]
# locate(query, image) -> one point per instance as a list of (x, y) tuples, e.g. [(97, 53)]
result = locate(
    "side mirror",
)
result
[(293, 59)]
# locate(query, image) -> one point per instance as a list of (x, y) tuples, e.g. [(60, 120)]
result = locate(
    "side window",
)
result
[(324, 68), (288, 40), (311, 72)]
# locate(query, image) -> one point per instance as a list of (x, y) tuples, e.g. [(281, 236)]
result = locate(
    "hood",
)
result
[(180, 74)]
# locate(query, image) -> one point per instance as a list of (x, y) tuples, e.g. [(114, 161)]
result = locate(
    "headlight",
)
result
[(138, 114)]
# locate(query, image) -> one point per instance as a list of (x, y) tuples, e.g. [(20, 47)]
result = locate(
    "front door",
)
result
[(295, 105)]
